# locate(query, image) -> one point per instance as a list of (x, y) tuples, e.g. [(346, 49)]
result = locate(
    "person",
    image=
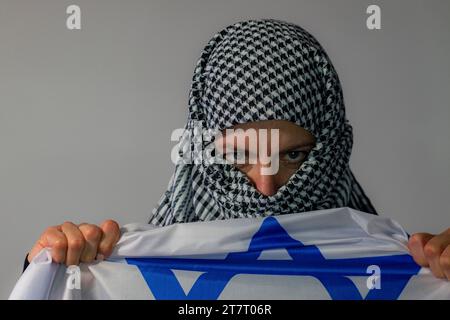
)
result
[(257, 75)]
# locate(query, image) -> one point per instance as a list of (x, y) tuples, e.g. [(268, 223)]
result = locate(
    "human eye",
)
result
[(294, 156)]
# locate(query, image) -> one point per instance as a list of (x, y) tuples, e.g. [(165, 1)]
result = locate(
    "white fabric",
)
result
[(343, 237)]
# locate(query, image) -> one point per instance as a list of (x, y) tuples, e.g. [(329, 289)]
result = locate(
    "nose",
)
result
[(265, 184)]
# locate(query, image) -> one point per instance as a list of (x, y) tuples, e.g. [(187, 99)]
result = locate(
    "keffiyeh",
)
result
[(265, 70)]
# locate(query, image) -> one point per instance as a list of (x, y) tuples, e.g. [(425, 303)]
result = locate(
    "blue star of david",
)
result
[(307, 260)]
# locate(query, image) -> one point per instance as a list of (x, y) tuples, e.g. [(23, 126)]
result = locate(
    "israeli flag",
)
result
[(326, 254)]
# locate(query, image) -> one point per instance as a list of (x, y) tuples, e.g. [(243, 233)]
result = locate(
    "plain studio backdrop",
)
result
[(86, 115)]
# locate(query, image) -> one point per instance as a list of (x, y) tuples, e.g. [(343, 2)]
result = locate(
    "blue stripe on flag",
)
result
[(306, 261)]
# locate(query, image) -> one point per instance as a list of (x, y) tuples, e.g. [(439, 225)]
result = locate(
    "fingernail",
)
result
[(100, 257)]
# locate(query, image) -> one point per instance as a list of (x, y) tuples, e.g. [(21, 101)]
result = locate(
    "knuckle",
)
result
[(110, 224), (67, 224), (60, 244), (76, 244), (431, 250), (92, 232), (415, 238)]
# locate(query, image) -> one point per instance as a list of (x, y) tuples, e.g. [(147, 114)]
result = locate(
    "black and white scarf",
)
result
[(265, 70)]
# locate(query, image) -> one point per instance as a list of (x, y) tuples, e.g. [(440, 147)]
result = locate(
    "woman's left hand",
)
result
[(432, 251)]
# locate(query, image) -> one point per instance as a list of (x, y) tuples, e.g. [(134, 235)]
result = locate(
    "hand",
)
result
[(432, 251), (72, 244)]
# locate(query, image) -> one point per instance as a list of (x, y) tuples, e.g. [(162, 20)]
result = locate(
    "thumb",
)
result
[(51, 238), (416, 244)]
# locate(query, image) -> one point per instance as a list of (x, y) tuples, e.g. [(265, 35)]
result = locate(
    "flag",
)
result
[(340, 254)]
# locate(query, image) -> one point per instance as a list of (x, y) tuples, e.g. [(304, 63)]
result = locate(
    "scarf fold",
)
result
[(264, 70)]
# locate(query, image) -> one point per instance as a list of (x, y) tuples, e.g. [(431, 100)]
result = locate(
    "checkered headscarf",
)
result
[(263, 70)]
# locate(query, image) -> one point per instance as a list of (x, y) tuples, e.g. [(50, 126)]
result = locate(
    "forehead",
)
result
[(285, 127), (289, 132)]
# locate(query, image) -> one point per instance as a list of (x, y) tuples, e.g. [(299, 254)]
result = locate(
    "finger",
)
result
[(416, 244), (54, 239), (92, 235), (445, 262), (75, 243), (110, 236), (433, 250)]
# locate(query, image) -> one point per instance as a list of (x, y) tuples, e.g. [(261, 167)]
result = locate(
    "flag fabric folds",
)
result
[(326, 254)]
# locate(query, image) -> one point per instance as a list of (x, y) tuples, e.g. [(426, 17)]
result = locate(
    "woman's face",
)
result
[(293, 145)]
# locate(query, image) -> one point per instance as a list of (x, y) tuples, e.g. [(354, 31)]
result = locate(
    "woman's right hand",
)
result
[(72, 244)]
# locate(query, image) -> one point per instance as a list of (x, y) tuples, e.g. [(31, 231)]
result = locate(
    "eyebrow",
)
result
[(288, 148), (297, 146)]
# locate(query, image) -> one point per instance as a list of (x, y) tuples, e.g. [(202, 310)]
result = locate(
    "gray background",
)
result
[(86, 116)]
